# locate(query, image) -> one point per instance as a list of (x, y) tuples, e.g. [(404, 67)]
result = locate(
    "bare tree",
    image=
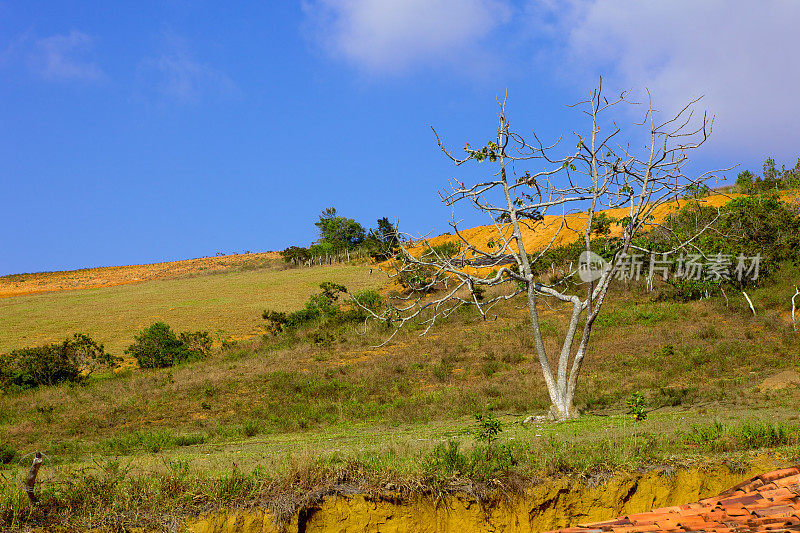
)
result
[(531, 182)]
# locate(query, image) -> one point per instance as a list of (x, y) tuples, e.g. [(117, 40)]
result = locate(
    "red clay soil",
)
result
[(769, 502)]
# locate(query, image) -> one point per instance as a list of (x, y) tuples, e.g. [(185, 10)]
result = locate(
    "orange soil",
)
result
[(548, 232), (88, 278), (537, 236)]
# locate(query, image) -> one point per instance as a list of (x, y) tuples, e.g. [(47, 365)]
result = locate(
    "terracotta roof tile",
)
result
[(769, 502)]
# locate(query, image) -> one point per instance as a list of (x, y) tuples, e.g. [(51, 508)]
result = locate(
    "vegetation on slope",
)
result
[(284, 418)]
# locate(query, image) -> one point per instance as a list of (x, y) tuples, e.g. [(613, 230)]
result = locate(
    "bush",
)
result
[(197, 341), (323, 308), (487, 428), (636, 406), (745, 226), (370, 299), (7, 453), (69, 361), (750, 435), (157, 346)]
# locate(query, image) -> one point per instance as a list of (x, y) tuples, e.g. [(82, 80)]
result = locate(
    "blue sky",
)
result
[(136, 132)]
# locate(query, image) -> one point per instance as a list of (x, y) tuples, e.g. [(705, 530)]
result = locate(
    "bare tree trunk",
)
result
[(600, 171)]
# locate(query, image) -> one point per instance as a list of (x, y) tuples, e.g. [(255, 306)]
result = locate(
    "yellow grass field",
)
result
[(537, 236), (227, 303)]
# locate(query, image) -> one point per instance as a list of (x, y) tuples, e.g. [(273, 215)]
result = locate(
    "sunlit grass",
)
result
[(228, 304)]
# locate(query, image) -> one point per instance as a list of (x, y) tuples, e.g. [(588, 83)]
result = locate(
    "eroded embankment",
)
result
[(546, 506)]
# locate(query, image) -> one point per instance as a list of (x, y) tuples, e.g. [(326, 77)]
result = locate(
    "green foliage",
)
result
[(744, 182), (198, 342), (771, 180), (383, 240), (323, 309), (744, 227), (447, 460), (704, 433), (487, 428), (446, 249), (371, 299), (331, 290), (69, 361), (296, 254), (487, 152), (157, 346), (636, 406), (749, 435), (761, 435), (601, 224), (7, 453), (339, 232), (483, 463), (276, 320), (697, 191)]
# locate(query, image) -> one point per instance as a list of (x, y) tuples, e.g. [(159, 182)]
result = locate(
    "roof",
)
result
[(769, 502)]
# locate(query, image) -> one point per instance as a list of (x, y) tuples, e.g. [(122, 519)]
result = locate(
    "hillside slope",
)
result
[(539, 236), (89, 278)]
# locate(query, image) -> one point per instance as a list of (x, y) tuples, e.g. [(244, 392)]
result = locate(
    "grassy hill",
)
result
[(273, 420), (227, 303)]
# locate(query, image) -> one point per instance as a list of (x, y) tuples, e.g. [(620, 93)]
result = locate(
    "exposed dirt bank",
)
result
[(546, 506)]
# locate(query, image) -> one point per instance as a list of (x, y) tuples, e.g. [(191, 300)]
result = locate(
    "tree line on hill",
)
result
[(771, 178), (344, 239)]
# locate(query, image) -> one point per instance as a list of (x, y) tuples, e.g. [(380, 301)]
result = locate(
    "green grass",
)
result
[(229, 303), (282, 471), (277, 417)]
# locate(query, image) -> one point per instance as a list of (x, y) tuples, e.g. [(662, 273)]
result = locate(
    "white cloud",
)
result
[(395, 35), (62, 58), (177, 74), (740, 54)]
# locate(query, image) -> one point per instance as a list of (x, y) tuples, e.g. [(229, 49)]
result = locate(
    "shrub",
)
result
[(446, 460), (7, 453), (370, 299), (487, 428), (276, 320), (745, 226), (69, 361), (157, 346), (323, 308), (636, 407), (197, 341), (751, 435), (250, 428)]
